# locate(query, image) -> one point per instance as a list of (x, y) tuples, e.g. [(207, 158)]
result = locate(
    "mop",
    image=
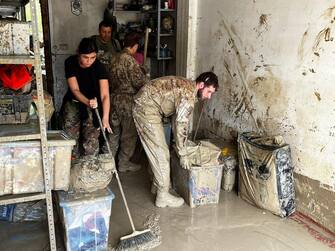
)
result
[(137, 240)]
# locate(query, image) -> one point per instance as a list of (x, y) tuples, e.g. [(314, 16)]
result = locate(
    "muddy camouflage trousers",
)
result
[(154, 143), (84, 132), (124, 136)]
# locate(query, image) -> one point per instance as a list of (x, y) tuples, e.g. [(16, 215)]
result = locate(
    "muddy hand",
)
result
[(185, 163)]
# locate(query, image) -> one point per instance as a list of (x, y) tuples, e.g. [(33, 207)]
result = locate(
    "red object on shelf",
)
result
[(14, 76), (171, 4)]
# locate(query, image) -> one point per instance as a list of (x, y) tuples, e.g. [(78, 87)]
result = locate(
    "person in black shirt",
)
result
[(88, 89)]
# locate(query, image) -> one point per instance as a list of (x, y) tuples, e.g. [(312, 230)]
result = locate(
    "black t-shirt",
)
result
[(87, 78)]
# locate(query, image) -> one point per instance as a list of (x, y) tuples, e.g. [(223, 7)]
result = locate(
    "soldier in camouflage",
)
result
[(126, 77), (165, 97), (107, 45)]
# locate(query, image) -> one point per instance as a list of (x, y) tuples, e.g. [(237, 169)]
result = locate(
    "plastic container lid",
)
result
[(55, 138), (73, 199)]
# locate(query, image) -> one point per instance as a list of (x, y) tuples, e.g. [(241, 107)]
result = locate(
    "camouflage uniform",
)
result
[(126, 77), (163, 97), (73, 126)]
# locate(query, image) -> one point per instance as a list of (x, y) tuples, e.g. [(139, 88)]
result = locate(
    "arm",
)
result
[(105, 100), (182, 117), (74, 87), (136, 74)]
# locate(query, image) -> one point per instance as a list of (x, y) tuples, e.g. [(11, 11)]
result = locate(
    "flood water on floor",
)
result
[(230, 226)]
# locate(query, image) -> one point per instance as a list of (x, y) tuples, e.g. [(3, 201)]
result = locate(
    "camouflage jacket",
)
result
[(125, 77), (165, 97)]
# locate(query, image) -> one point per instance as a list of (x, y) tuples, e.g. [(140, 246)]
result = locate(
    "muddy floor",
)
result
[(231, 225)]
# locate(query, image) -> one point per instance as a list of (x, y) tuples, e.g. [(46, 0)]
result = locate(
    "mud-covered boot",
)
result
[(165, 199)]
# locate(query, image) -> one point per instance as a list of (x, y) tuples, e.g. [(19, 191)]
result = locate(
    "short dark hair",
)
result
[(105, 23), (87, 46), (131, 39), (209, 79)]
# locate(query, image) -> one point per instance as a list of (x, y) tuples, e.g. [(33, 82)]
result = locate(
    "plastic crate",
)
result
[(85, 218), (14, 109), (200, 185), (14, 37), (21, 164)]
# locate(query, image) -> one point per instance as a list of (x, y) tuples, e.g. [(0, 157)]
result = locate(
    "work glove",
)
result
[(184, 162)]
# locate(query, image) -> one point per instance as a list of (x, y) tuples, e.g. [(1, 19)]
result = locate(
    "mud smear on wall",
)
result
[(323, 35), (312, 43), (328, 13), (263, 25), (301, 46), (263, 20), (271, 99), (236, 71), (318, 96)]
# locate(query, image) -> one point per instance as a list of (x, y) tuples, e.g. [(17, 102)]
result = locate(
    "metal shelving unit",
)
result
[(22, 133), (17, 60), (169, 38), (160, 36)]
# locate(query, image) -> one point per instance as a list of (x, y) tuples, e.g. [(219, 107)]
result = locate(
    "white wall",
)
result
[(275, 61)]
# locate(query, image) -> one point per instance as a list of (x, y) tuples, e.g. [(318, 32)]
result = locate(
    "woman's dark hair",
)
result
[(209, 79), (87, 46), (131, 39)]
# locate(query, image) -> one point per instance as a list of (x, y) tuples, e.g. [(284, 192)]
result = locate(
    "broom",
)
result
[(137, 240)]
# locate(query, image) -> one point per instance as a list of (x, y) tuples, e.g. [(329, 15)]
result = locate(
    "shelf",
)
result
[(162, 34), (167, 10), (16, 59), (129, 11), (19, 198), (166, 34), (10, 133), (167, 58)]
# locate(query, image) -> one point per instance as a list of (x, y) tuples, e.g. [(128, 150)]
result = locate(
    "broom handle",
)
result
[(146, 40), (115, 171)]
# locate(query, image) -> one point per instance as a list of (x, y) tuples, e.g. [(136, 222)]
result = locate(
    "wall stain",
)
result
[(258, 80), (323, 35), (268, 92), (301, 46), (263, 19), (243, 101), (328, 13), (263, 25), (318, 96)]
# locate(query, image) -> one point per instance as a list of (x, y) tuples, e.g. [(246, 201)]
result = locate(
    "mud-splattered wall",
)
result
[(275, 61)]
